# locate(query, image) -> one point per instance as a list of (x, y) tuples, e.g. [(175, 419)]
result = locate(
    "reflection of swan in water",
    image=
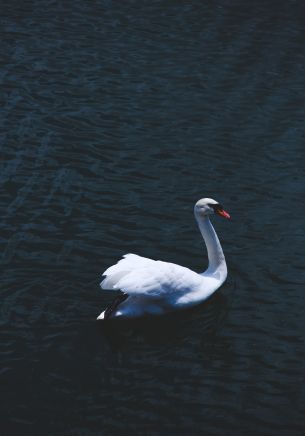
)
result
[(153, 287), (169, 330)]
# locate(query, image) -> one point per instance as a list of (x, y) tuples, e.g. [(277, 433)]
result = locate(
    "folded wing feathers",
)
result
[(159, 279), (115, 272), (139, 281), (138, 275)]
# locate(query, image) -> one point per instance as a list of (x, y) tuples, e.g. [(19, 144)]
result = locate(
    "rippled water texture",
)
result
[(115, 118)]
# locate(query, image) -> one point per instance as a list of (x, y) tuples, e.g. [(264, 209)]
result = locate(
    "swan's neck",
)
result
[(217, 263)]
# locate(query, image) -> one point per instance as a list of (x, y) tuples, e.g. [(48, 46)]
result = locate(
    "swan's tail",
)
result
[(101, 316)]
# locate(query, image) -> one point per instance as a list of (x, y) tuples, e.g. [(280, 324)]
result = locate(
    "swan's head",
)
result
[(208, 206)]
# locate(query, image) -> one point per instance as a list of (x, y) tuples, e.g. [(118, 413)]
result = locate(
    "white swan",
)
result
[(155, 287)]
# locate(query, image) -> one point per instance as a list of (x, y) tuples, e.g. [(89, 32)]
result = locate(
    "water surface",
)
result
[(116, 119)]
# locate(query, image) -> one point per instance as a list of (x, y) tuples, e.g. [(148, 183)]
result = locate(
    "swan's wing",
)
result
[(130, 262), (159, 279)]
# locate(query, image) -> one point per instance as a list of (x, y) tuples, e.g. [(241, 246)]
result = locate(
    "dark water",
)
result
[(115, 118)]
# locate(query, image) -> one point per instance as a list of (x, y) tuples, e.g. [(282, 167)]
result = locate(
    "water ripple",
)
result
[(114, 122)]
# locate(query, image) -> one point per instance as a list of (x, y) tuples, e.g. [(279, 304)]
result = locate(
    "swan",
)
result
[(153, 287)]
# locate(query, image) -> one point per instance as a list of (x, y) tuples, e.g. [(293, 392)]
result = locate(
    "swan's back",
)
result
[(142, 277)]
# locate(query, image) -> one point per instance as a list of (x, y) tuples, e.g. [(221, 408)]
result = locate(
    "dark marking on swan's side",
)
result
[(114, 305)]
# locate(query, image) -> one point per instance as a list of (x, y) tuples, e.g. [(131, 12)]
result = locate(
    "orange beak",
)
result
[(223, 213)]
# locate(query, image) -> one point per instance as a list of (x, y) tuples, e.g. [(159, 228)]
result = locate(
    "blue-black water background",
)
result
[(116, 117)]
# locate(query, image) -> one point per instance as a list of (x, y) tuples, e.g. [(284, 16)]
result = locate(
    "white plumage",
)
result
[(156, 287)]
